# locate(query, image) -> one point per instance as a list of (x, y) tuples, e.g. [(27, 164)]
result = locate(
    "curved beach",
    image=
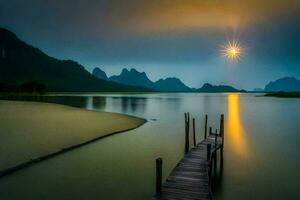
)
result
[(33, 131)]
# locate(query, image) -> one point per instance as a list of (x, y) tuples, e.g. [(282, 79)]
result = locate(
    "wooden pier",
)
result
[(191, 179)]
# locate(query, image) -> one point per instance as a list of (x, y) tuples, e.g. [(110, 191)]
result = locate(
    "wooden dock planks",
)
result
[(190, 178)]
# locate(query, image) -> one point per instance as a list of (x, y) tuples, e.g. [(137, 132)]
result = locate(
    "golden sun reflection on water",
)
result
[(235, 130)]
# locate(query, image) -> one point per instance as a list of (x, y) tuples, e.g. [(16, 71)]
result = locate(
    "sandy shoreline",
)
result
[(33, 131)]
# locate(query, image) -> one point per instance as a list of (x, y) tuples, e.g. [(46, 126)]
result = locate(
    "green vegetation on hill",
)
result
[(20, 62)]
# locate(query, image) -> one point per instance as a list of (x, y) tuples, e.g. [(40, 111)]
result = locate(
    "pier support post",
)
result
[(216, 139), (185, 117), (205, 133), (222, 131), (215, 152), (187, 132), (194, 132), (185, 122), (158, 176), (188, 122), (210, 131)]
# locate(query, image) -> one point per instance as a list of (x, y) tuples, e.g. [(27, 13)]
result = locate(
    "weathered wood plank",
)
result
[(189, 180)]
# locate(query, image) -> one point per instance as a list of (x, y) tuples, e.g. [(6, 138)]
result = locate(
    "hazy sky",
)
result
[(179, 38)]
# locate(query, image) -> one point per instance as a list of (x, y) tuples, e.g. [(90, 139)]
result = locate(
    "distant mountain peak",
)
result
[(132, 77), (207, 87), (287, 84), (124, 70), (287, 78), (134, 70), (171, 84), (99, 73), (137, 78)]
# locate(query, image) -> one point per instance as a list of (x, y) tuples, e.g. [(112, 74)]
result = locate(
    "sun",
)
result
[(232, 50)]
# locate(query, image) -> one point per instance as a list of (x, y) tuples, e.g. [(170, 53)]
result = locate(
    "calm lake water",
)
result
[(261, 153)]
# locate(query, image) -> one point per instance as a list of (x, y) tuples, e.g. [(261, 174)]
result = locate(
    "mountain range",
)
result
[(21, 63), (136, 78), (171, 84)]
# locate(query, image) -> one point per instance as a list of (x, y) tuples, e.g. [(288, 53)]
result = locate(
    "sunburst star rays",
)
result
[(232, 50)]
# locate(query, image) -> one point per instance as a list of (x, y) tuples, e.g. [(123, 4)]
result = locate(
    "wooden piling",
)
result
[(210, 131), (185, 130), (216, 138), (222, 131), (188, 122), (185, 122), (187, 134), (215, 153), (158, 176), (221, 121), (194, 132), (205, 133)]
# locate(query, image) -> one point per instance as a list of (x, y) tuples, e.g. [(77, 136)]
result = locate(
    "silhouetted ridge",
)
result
[(132, 77), (136, 78), (99, 73), (21, 62), (171, 85), (286, 84), (220, 88)]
